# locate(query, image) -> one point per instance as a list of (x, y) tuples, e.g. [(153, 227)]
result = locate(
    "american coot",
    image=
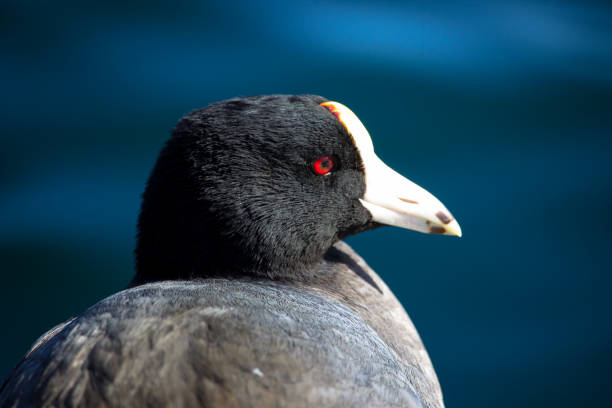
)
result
[(244, 295)]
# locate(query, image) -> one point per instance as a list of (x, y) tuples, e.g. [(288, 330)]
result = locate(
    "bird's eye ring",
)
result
[(323, 165)]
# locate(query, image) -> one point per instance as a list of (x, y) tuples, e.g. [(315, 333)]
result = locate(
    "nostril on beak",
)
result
[(408, 201)]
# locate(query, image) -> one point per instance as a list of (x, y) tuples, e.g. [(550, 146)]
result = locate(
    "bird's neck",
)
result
[(182, 240)]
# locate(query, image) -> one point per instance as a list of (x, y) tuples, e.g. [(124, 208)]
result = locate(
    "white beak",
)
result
[(391, 198)]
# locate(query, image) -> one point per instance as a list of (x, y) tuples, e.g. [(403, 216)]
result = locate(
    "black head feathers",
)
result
[(234, 192)]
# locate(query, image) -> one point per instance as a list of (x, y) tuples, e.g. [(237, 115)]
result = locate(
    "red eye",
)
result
[(323, 165)]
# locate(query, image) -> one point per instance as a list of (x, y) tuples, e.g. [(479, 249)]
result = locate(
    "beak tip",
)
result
[(453, 228)]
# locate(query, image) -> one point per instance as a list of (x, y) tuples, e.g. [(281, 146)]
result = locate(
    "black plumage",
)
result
[(243, 293), (245, 202)]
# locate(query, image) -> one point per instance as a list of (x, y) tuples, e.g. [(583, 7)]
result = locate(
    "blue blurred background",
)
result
[(503, 110)]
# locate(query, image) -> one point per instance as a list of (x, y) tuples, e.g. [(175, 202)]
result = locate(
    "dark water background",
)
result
[(503, 110)]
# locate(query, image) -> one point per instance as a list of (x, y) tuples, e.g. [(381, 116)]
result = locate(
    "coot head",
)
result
[(263, 186)]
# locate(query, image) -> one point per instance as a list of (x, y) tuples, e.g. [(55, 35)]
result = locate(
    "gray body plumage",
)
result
[(341, 340)]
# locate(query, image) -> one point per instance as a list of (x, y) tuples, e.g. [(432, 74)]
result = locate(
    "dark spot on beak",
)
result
[(443, 217), (408, 201), (437, 230)]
